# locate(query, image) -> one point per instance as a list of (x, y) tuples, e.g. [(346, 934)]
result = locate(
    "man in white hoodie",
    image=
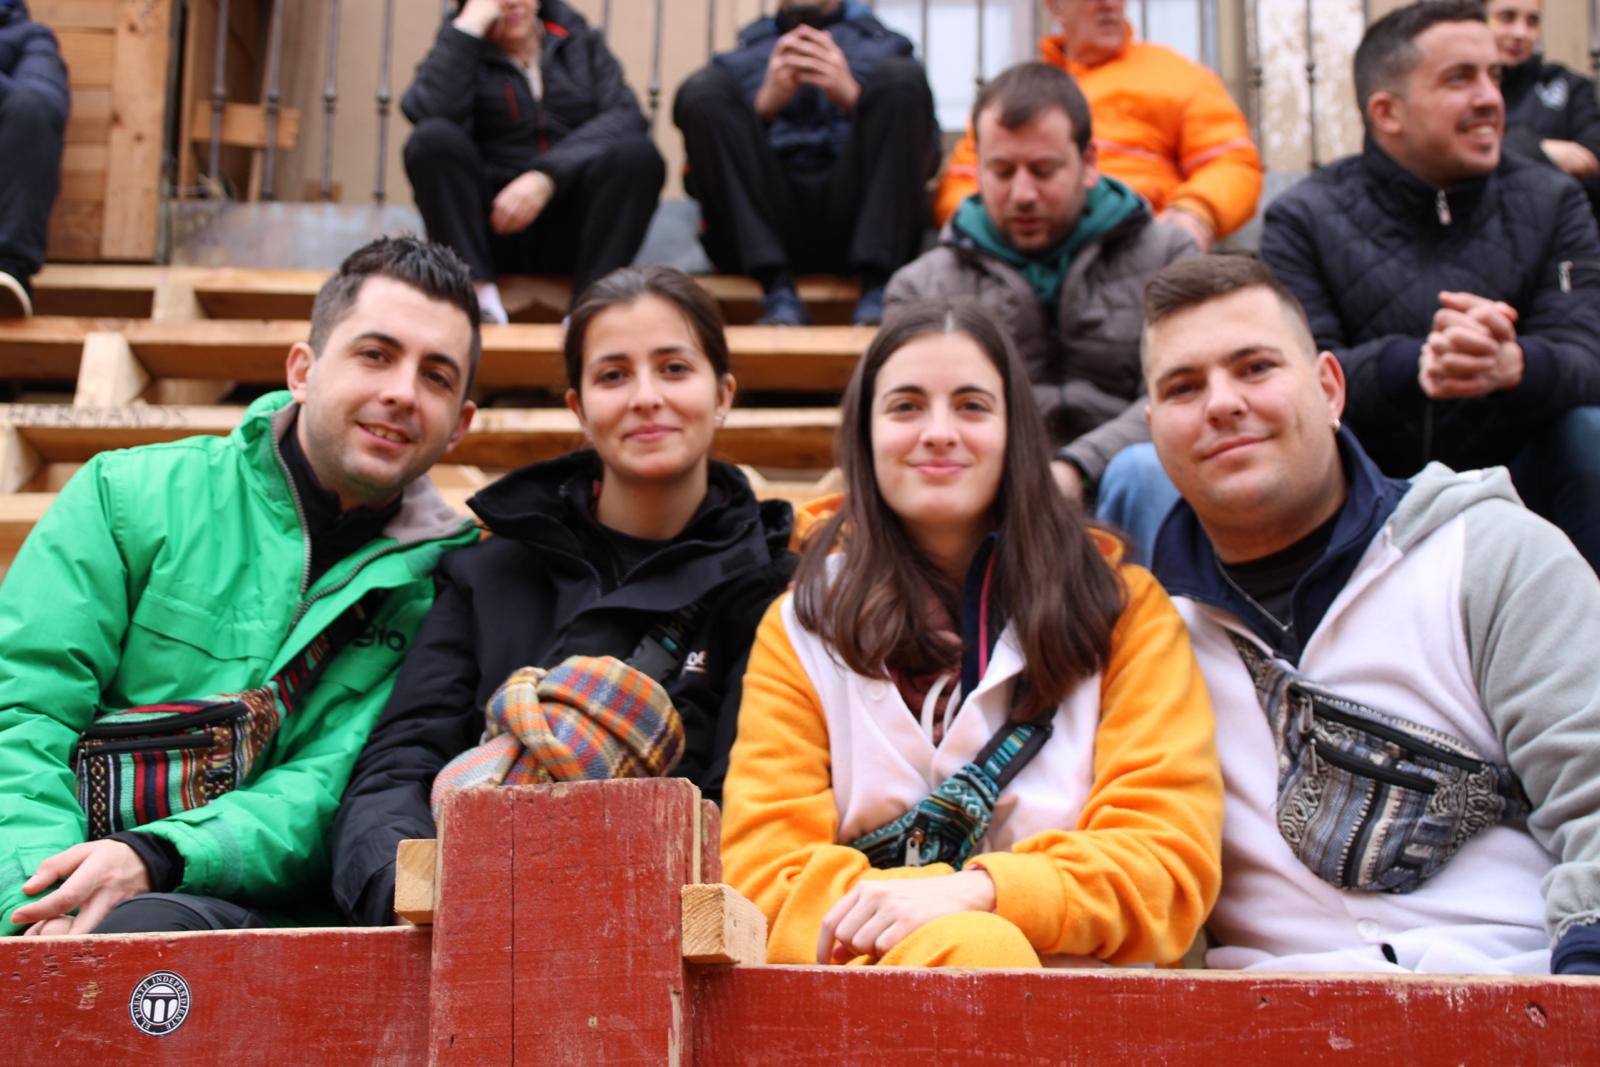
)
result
[(1402, 670)]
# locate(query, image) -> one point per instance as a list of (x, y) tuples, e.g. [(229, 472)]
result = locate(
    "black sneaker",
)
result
[(14, 300), (782, 307)]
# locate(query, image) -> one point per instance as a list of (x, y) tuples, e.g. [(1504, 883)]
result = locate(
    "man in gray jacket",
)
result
[(1061, 253)]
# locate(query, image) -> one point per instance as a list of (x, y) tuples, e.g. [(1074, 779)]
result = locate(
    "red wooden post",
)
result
[(557, 926)]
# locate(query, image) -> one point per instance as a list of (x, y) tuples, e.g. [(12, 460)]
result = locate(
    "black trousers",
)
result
[(30, 177), (169, 912), (866, 213), (587, 230)]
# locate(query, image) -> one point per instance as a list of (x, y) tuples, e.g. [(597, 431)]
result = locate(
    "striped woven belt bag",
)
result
[(1369, 800), (947, 824), (145, 763)]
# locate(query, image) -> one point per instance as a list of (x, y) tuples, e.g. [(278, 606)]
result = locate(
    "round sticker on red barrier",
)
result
[(160, 1003)]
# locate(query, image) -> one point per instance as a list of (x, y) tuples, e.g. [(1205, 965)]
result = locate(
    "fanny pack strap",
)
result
[(947, 824), (663, 648), (301, 673)]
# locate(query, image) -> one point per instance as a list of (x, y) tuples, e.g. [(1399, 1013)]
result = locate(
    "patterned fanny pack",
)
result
[(1369, 800), (144, 763), (947, 824)]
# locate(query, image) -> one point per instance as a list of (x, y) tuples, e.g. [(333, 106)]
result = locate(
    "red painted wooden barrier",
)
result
[(557, 940)]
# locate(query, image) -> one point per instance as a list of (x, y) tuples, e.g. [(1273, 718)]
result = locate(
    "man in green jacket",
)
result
[(203, 566)]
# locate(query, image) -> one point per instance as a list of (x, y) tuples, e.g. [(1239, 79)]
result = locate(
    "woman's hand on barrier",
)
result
[(98, 875), (874, 917)]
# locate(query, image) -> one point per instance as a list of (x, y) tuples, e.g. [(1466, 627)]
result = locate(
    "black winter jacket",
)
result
[(1546, 101), (810, 133), (30, 59), (1367, 247), (543, 588), (586, 106)]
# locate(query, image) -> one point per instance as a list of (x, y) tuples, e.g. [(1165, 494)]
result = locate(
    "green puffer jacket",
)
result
[(178, 570)]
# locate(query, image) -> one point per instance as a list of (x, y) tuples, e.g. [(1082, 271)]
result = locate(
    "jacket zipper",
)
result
[(1442, 204), (300, 513), (152, 744)]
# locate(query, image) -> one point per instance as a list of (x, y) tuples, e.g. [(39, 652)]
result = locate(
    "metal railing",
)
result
[(1139, 13)]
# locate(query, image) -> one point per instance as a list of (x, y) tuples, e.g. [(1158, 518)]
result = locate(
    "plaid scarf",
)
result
[(589, 718)]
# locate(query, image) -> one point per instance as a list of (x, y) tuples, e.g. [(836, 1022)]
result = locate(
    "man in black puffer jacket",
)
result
[(530, 152), (1459, 288), (807, 147), (33, 119)]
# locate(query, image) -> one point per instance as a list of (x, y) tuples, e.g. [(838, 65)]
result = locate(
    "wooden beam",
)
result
[(139, 89), (88, 54), (62, 15), (245, 125), (720, 926), (415, 866), (19, 460), (109, 376)]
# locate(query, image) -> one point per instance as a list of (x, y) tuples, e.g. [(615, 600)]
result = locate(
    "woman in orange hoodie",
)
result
[(968, 736)]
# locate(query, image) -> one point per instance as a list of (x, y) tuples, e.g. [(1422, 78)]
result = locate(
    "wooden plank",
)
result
[(75, 229), (255, 997), (62, 15), (472, 989), (720, 926), (19, 460), (781, 1016), (245, 125), (604, 864), (415, 866), (109, 375), (19, 512), (138, 85), (90, 120), (88, 55), (711, 838), (121, 291)]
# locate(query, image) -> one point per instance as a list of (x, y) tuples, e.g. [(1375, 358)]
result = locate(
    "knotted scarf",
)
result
[(588, 718)]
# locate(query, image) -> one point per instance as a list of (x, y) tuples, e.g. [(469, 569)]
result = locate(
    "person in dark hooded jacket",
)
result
[(33, 119), (530, 152), (590, 553), (1552, 115)]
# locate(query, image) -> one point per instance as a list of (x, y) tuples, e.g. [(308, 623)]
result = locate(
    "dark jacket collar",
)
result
[(1187, 565), (1402, 193), (1517, 79)]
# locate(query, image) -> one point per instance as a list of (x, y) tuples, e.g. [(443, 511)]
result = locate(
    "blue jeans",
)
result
[(1557, 472), (1135, 496)]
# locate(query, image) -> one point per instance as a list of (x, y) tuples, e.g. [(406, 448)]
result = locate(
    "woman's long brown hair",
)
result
[(1057, 590)]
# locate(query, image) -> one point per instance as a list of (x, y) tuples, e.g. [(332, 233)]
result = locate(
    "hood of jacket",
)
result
[(546, 505), (856, 15)]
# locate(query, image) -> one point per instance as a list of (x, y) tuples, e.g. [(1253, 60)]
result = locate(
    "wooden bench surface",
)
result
[(819, 358), (257, 293)]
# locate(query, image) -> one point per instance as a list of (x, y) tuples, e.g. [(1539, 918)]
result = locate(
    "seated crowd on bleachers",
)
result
[(1314, 687)]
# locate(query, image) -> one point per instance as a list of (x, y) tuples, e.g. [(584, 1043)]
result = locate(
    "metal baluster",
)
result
[(1144, 20), (447, 8), (655, 68), (269, 165), (711, 29), (383, 99), (979, 78), (1034, 28), (1311, 84), (1252, 45), (923, 41), (605, 21), (330, 99), (1594, 37), (219, 98), (1208, 34)]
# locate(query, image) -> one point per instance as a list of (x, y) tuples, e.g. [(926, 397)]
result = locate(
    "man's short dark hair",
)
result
[(1388, 53), (1024, 90), (431, 269), (1199, 280)]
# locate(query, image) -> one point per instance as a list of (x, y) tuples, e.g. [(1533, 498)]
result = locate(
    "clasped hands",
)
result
[(806, 56), (1472, 350), (876, 916)]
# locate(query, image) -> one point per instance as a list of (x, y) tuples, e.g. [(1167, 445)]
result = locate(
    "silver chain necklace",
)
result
[(1285, 627)]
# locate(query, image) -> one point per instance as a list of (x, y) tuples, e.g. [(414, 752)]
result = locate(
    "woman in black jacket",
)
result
[(530, 153), (1551, 113), (590, 551)]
